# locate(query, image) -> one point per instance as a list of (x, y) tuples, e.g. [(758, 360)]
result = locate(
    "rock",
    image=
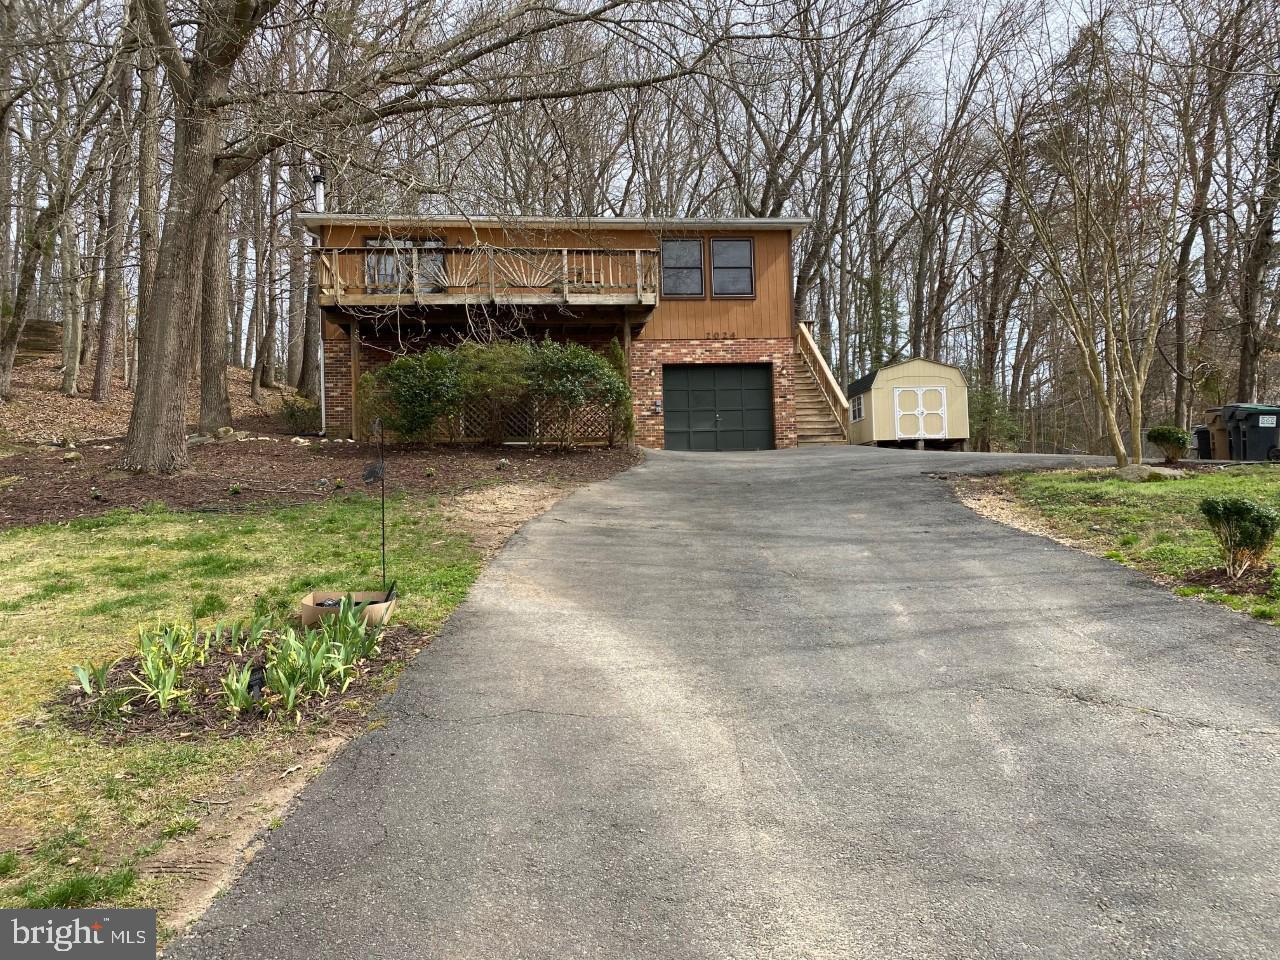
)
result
[(222, 433), (71, 456), (198, 439), (300, 441), (1144, 473)]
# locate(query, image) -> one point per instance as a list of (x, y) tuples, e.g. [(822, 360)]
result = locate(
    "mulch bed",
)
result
[(204, 712), (41, 487), (1257, 580)]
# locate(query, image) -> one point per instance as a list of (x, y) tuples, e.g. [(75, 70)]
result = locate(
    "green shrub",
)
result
[(301, 415), (565, 377), (552, 382), (412, 394), (1172, 441), (495, 380), (1245, 531)]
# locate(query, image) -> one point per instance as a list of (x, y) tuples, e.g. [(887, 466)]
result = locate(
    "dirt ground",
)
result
[(37, 412), (40, 486)]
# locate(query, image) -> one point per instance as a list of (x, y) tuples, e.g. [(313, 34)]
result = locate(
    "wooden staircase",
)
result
[(822, 412), (815, 423)]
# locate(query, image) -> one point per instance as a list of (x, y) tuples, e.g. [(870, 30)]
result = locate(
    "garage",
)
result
[(718, 407)]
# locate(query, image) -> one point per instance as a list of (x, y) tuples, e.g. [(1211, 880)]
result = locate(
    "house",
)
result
[(920, 403), (701, 307)]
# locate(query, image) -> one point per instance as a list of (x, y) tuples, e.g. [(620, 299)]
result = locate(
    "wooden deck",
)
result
[(410, 275)]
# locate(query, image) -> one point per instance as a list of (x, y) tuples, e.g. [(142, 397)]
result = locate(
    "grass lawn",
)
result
[(1156, 527), (80, 813)]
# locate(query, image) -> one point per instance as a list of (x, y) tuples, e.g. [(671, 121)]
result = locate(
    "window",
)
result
[(682, 268), (855, 408), (390, 262), (732, 271)]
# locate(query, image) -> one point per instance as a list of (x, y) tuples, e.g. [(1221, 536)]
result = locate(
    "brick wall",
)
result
[(648, 356), (337, 387), (375, 352)]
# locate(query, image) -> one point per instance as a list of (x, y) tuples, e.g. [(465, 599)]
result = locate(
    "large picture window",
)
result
[(732, 268), (390, 261), (682, 268)]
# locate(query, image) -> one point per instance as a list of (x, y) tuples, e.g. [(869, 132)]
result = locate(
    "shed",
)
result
[(912, 403)]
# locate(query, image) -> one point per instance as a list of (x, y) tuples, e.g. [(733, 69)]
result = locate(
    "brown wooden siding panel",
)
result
[(766, 316)]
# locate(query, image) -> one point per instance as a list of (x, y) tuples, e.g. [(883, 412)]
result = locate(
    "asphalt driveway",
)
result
[(796, 704)]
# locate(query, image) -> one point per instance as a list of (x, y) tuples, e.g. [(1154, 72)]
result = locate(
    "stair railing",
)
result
[(825, 379)]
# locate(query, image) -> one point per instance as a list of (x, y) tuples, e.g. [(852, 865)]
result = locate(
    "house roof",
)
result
[(863, 384), (313, 221)]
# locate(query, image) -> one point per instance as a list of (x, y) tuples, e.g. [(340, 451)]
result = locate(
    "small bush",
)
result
[(412, 394), (495, 380), (565, 377), (549, 382), (1245, 531), (1172, 441), (302, 415)]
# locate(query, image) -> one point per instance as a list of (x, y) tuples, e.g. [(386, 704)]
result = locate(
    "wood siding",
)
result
[(767, 315)]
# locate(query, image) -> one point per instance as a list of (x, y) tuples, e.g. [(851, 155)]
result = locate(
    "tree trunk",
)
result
[(156, 441), (72, 319), (35, 250), (297, 269), (148, 177), (215, 404), (239, 290), (117, 225), (266, 371), (1260, 251), (309, 375), (95, 233)]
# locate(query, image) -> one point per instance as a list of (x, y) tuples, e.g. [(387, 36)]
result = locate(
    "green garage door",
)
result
[(718, 407)]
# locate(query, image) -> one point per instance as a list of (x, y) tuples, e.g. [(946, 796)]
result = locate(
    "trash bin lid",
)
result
[(1242, 411)]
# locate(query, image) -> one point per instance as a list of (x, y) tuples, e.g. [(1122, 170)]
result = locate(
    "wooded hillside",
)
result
[(1074, 201)]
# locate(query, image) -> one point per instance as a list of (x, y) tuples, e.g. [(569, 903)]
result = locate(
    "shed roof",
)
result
[(863, 384)]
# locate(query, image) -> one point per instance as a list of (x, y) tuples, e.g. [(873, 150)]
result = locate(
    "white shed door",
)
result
[(920, 412)]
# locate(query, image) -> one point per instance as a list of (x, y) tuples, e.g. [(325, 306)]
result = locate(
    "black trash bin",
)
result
[(1204, 442), (1254, 430)]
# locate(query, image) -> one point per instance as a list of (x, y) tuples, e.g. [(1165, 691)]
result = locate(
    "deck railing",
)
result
[(427, 274)]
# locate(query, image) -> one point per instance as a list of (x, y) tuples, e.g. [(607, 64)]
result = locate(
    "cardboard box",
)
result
[(375, 614)]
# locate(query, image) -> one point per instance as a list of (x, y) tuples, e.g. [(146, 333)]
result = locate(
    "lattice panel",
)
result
[(526, 421)]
